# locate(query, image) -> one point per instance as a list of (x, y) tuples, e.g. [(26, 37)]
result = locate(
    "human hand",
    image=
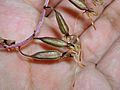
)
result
[(99, 47)]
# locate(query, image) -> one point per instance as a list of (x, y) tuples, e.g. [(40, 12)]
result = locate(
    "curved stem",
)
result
[(19, 49), (36, 32)]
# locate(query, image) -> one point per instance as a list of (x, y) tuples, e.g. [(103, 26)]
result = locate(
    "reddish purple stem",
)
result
[(38, 28)]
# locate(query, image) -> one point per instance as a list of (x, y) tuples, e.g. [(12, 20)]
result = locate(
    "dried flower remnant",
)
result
[(6, 42), (95, 2), (80, 4)]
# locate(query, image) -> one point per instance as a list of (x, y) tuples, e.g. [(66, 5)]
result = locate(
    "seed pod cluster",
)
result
[(71, 43)]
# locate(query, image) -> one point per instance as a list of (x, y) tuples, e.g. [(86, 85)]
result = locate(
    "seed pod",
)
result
[(50, 54), (53, 41), (81, 5), (61, 23)]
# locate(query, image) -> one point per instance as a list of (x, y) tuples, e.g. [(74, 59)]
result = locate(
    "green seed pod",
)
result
[(53, 41), (50, 54), (61, 23), (81, 5)]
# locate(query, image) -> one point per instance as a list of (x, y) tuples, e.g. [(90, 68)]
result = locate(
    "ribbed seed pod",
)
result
[(61, 23), (81, 5), (50, 54), (53, 41)]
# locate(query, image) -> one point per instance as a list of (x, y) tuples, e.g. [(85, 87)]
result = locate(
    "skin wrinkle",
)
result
[(93, 69), (106, 54), (108, 50), (108, 78), (113, 19), (112, 43), (104, 76), (112, 46), (113, 50), (99, 58)]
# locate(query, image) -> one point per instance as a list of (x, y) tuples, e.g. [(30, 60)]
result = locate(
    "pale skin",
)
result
[(101, 51)]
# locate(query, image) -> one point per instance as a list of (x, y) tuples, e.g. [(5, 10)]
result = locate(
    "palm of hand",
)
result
[(100, 47)]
